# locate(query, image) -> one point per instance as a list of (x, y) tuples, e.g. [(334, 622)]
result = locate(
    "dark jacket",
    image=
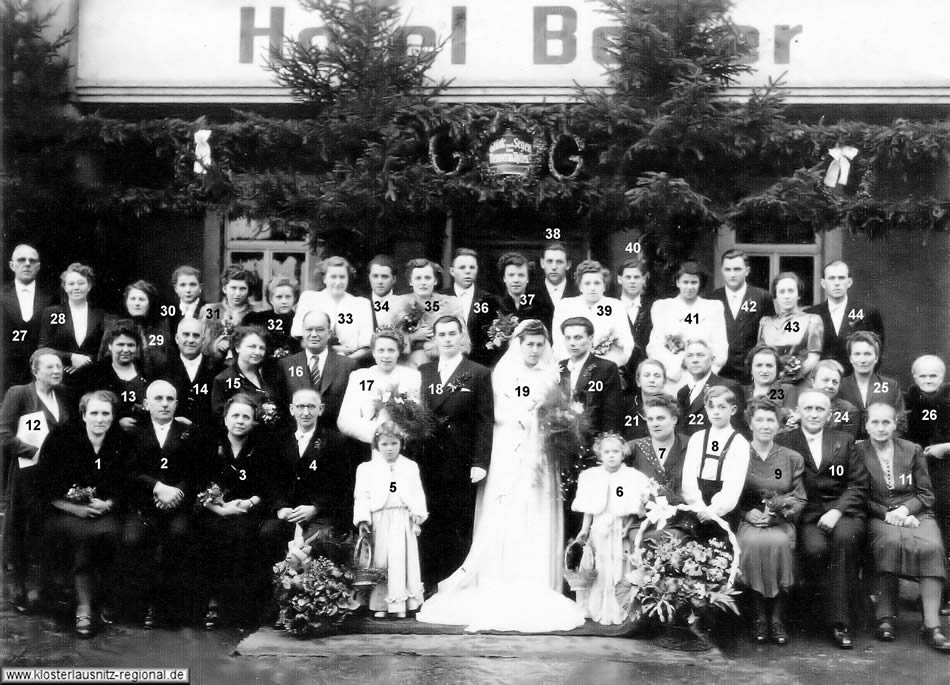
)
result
[(858, 316), (693, 417), (912, 487), (670, 473), (742, 330), (177, 463), (598, 389), (194, 396), (19, 337), (480, 316), (68, 459), (333, 381), (21, 400)]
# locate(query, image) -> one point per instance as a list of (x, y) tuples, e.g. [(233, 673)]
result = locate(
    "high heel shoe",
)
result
[(934, 637), (212, 617), (885, 630)]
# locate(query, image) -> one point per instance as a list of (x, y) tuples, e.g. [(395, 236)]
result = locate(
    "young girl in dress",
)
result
[(611, 497), (390, 503)]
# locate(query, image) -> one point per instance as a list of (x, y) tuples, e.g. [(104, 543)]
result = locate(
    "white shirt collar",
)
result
[(629, 302), (814, 437), (555, 289), (838, 307), (29, 287), (305, 435), (161, 427), (187, 309), (191, 365), (463, 292), (737, 294), (321, 358), (447, 366), (579, 364)]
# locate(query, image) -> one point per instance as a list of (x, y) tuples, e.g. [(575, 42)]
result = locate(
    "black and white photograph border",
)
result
[(653, 294)]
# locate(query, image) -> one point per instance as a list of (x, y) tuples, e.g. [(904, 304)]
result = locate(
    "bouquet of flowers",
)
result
[(80, 495), (500, 330), (213, 494), (792, 366), (411, 318), (603, 346), (672, 577), (280, 352), (675, 343), (313, 598), (267, 414), (783, 506), (413, 417), (563, 425), (656, 500)]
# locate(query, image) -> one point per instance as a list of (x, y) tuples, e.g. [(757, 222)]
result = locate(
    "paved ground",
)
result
[(214, 658)]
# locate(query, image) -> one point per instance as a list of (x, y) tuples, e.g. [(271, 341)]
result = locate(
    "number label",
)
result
[(392, 486), (527, 299), (880, 386), (164, 463), (619, 491), (57, 318), (837, 470), (275, 324), (778, 474), (522, 391), (296, 371), (435, 388), (199, 389), (480, 307), (381, 306), (856, 315), (929, 415), (348, 317), (907, 479), (313, 465), (33, 424), (128, 396), (233, 383), (633, 248), (432, 305), (715, 445), (776, 394), (168, 310), (791, 327), (242, 475), (841, 417), (595, 386), (631, 420), (19, 335), (604, 310), (212, 314), (662, 452), (552, 234), (99, 464), (691, 318), (367, 384), (154, 340), (696, 419), (750, 306)]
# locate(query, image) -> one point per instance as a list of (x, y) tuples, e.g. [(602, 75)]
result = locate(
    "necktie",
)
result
[(314, 372)]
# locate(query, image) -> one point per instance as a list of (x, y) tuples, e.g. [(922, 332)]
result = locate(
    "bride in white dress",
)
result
[(511, 579)]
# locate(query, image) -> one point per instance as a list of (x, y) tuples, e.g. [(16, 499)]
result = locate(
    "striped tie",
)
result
[(314, 372)]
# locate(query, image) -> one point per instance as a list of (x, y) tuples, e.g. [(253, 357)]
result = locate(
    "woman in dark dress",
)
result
[(866, 386), (81, 487), (233, 567), (651, 381), (660, 454), (249, 376), (928, 424), (773, 496), (140, 306), (764, 366), (903, 534), (120, 372), (276, 322)]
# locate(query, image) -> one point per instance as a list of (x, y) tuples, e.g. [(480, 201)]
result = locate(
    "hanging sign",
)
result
[(511, 155)]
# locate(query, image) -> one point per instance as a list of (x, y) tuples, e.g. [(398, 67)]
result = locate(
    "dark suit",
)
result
[(742, 330), (62, 338), (640, 328), (531, 305), (156, 541), (480, 316), (333, 381), (322, 477), (693, 416), (548, 305), (841, 482), (598, 389), (20, 523), (19, 337), (858, 316), (465, 419), (880, 389), (194, 396)]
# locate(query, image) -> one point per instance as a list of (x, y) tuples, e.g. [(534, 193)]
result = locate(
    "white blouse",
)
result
[(351, 319), (620, 493), (704, 319), (377, 479), (366, 389)]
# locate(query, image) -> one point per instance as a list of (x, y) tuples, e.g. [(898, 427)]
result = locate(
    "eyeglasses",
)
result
[(306, 407), (26, 260)]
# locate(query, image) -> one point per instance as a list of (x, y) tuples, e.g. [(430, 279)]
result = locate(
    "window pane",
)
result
[(805, 268), (772, 235), (288, 264), (759, 275)]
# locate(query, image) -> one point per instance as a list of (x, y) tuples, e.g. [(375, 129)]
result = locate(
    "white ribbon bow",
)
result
[(202, 151), (840, 166), (659, 512)]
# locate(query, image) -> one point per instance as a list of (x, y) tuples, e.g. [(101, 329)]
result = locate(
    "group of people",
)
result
[(185, 444)]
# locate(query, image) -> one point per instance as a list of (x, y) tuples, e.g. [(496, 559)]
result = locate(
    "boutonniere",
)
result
[(458, 384)]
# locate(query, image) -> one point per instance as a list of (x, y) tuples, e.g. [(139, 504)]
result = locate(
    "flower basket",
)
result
[(579, 569), (314, 598), (365, 576)]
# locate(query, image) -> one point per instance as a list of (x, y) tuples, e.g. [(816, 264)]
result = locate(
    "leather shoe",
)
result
[(885, 630), (150, 620), (841, 637), (779, 634), (935, 638), (760, 631), (84, 625), (945, 609), (212, 618), (106, 615)]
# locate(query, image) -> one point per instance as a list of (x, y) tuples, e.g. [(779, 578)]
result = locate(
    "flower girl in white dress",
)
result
[(611, 497), (390, 502)]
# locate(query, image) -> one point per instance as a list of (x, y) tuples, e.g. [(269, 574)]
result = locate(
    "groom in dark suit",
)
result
[(456, 457), (831, 527)]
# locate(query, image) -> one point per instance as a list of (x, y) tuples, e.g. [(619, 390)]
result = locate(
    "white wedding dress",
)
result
[(511, 579)]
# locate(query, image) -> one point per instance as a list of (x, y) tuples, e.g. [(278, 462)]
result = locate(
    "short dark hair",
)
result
[(98, 395), (579, 321), (869, 337), (464, 252), (122, 327), (421, 263), (150, 291), (555, 246), (835, 262), (512, 259), (236, 272), (787, 274), (762, 404), (242, 332), (185, 270), (638, 263), (589, 266), (732, 253), (662, 401), (758, 349), (383, 260), (447, 318), (241, 398)]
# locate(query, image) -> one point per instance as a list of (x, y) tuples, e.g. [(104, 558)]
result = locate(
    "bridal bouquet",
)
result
[(411, 318), (675, 343), (413, 417), (500, 330), (563, 425)]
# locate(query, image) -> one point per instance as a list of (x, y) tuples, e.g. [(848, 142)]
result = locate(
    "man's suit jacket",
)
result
[(598, 389), (464, 409), (858, 316), (548, 305), (840, 483), (693, 416), (19, 337), (333, 381), (880, 389), (640, 329), (322, 477), (175, 319), (62, 336), (21, 400), (175, 464), (742, 330), (481, 313), (194, 396)]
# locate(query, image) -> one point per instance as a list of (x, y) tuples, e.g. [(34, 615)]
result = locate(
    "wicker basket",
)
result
[(583, 573), (364, 574)]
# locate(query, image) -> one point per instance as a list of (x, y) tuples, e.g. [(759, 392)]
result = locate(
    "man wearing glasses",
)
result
[(23, 303)]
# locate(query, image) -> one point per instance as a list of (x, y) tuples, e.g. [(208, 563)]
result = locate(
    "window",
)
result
[(253, 245)]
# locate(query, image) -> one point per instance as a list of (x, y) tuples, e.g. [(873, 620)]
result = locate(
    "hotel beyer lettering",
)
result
[(551, 45)]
